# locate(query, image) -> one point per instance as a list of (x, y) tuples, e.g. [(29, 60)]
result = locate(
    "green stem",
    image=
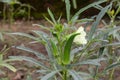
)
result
[(111, 74), (110, 49), (10, 15), (95, 75), (4, 13), (29, 10), (65, 75)]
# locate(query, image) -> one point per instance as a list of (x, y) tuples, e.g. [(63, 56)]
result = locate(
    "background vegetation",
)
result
[(72, 52), (56, 6)]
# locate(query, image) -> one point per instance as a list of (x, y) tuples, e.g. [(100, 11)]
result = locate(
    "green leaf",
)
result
[(99, 7), (3, 64), (85, 75), (67, 2), (52, 16), (74, 4), (105, 32), (49, 75), (96, 23), (38, 54), (58, 21), (24, 34), (112, 66), (112, 44), (41, 26), (54, 48), (67, 48), (84, 20), (90, 62), (75, 75), (85, 8), (10, 1), (48, 49), (29, 59), (40, 33), (9, 60), (43, 71), (74, 51), (49, 20)]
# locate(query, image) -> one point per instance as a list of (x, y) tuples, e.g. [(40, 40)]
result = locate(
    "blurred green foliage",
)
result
[(57, 6)]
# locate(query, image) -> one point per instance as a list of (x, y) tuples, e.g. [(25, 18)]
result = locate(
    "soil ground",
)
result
[(25, 68)]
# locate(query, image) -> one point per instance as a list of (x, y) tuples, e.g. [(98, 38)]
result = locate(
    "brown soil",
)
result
[(25, 68)]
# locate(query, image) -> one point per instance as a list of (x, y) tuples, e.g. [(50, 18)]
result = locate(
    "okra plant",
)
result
[(111, 32), (69, 47)]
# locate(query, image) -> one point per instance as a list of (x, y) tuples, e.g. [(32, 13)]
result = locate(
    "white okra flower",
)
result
[(80, 39)]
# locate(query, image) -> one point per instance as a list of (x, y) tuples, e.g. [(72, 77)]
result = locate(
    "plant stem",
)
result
[(10, 15), (4, 13), (65, 74), (95, 75), (29, 12), (110, 50), (111, 74)]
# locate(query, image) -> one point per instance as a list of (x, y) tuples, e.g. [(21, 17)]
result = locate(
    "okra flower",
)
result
[(80, 39)]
